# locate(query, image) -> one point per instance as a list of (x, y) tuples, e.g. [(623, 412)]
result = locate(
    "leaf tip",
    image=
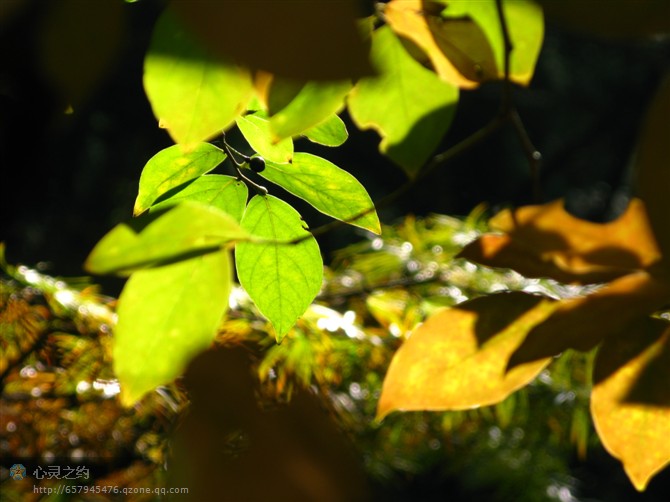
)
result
[(138, 209), (639, 482), (88, 267), (383, 410), (280, 331), (129, 397)]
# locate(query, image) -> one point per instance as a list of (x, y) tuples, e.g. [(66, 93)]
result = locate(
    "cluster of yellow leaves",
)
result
[(482, 350)]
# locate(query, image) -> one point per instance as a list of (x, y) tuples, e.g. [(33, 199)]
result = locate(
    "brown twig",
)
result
[(507, 107), (533, 155)]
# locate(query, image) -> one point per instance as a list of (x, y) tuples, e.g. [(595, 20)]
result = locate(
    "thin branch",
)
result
[(463, 146), (533, 155), (229, 152), (508, 108), (259, 189)]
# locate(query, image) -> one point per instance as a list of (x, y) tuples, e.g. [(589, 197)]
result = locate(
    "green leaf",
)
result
[(194, 94), (223, 192), (525, 23), (166, 316), (407, 104), (153, 239), (330, 132), (256, 131), (526, 31), (315, 102), (457, 359), (331, 190), (281, 277), (172, 167)]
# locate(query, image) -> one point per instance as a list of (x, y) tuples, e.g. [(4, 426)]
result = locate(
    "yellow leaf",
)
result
[(456, 360), (632, 430), (457, 48), (547, 241), (581, 323)]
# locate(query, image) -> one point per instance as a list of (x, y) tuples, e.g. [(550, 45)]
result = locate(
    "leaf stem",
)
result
[(229, 152), (259, 189)]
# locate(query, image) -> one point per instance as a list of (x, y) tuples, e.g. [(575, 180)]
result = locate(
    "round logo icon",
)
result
[(17, 472)]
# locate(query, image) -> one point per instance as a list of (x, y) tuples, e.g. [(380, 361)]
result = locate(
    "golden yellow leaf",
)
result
[(456, 360), (581, 323), (635, 431), (547, 241), (457, 48)]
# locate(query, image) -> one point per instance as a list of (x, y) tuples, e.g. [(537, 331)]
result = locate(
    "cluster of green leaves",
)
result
[(177, 251)]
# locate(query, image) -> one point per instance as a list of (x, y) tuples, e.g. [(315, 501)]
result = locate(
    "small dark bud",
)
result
[(257, 164)]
